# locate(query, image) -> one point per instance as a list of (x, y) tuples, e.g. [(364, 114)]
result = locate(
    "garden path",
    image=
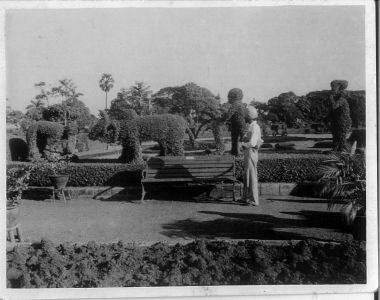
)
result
[(84, 219)]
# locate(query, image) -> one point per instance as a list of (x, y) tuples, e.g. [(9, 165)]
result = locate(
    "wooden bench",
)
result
[(189, 169)]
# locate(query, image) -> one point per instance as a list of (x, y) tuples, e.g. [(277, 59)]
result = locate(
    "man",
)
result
[(251, 144)]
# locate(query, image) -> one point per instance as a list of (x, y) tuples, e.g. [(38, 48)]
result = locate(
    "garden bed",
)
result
[(45, 265)]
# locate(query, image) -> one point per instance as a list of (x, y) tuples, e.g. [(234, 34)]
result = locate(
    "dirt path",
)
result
[(82, 220)]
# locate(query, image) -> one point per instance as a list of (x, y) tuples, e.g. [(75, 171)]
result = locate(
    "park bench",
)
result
[(202, 169)]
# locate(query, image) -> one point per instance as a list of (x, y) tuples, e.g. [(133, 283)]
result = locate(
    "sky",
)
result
[(264, 51)]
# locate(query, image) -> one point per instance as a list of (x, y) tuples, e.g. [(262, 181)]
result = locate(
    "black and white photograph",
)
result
[(188, 148)]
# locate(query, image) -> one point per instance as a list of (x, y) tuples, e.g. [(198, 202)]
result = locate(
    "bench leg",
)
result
[(142, 193)]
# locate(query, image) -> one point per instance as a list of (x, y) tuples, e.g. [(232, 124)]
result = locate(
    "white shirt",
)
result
[(254, 135)]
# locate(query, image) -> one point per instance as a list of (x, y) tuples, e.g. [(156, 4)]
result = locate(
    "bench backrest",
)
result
[(190, 167)]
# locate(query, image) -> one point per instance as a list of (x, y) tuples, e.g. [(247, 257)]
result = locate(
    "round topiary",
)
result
[(235, 95)]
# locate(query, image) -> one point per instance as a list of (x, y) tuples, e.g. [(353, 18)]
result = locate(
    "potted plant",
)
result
[(343, 183), (56, 169), (17, 182)]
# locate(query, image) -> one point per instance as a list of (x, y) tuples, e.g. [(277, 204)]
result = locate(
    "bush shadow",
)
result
[(251, 226)]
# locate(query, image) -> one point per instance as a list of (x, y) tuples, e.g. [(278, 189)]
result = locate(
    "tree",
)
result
[(196, 104), (120, 110), (66, 90), (74, 111), (136, 97), (284, 106), (356, 101), (106, 84), (43, 93), (13, 116), (35, 109)]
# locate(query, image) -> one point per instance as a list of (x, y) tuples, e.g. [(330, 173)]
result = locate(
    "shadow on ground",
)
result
[(255, 226)]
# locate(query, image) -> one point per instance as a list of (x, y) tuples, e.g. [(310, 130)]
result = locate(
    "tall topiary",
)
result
[(340, 119), (236, 118), (44, 137)]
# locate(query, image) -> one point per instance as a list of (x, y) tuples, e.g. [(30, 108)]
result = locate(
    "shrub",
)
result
[(18, 149), (358, 135), (90, 174), (167, 129), (294, 168), (282, 170), (41, 135), (45, 265), (82, 142)]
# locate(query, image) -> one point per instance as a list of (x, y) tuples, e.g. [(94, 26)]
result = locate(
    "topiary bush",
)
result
[(18, 149), (106, 130), (237, 119), (271, 169), (82, 142), (91, 174), (358, 135), (42, 135), (167, 130), (340, 119), (282, 170), (205, 263)]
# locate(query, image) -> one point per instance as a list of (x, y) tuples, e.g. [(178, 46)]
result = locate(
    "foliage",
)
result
[(237, 123), (89, 174), (168, 130), (41, 135), (271, 168), (136, 97), (51, 167), (105, 130), (282, 169), (356, 101), (82, 142), (284, 106), (205, 263), (340, 120), (343, 179), (13, 116), (106, 84), (121, 110), (358, 135), (17, 182), (18, 149), (196, 104)]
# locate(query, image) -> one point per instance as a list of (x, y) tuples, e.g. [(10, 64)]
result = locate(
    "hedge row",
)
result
[(92, 174), (106, 174), (45, 265)]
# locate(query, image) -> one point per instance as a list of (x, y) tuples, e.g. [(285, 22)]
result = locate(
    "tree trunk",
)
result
[(106, 100)]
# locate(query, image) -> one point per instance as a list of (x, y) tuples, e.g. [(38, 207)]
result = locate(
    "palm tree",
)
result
[(343, 182), (106, 83)]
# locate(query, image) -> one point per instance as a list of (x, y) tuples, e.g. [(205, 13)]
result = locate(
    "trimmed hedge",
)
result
[(283, 169), (92, 174), (292, 169), (45, 265)]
